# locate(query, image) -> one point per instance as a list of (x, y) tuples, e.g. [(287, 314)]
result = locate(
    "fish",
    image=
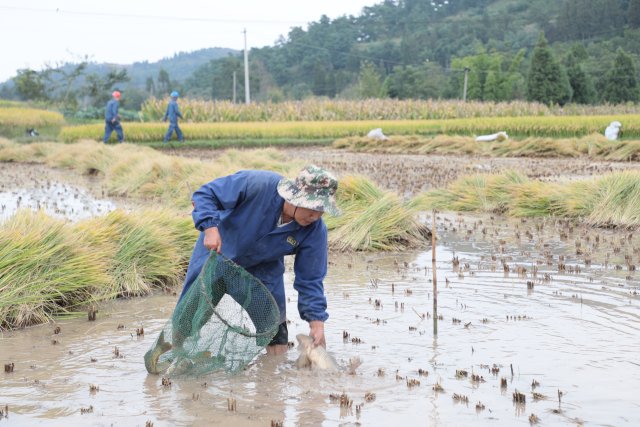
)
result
[(314, 357)]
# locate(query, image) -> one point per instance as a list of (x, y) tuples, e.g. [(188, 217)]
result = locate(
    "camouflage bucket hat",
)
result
[(314, 188)]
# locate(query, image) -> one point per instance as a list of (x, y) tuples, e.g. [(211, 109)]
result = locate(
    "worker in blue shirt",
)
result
[(112, 119), (173, 112), (255, 218)]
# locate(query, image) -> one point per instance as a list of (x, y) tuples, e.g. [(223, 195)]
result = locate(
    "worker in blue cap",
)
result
[(173, 112)]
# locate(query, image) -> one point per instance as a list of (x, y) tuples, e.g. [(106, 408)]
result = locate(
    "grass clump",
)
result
[(51, 268), (373, 219), (594, 146), (46, 269), (144, 251), (612, 199), (477, 192)]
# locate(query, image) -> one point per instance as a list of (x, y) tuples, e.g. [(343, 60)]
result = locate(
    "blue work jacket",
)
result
[(111, 110), (173, 112), (246, 208)]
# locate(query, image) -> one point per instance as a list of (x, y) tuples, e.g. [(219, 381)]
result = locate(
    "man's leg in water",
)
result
[(280, 343)]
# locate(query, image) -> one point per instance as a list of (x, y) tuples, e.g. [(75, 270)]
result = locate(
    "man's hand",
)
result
[(317, 333), (212, 240)]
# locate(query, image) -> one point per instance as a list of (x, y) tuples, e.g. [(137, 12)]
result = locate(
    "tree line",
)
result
[(581, 51)]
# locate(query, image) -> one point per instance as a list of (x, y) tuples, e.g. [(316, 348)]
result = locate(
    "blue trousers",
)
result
[(109, 128), (172, 127)]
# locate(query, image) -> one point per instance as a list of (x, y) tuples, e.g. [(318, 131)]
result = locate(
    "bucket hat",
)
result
[(314, 188)]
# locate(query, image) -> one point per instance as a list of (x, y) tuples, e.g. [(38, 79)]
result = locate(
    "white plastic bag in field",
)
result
[(613, 130), (500, 136), (377, 134)]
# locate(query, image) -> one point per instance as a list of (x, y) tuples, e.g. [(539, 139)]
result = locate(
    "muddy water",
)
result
[(573, 332), (60, 193)]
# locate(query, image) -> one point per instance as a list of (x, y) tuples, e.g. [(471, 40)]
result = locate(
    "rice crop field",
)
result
[(14, 121), (520, 127), (372, 109)]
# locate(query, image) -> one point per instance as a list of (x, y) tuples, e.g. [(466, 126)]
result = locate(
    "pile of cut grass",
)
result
[(594, 146), (373, 219), (141, 172), (52, 268), (609, 200)]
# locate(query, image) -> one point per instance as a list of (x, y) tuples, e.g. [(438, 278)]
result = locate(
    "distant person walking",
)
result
[(173, 112), (112, 119)]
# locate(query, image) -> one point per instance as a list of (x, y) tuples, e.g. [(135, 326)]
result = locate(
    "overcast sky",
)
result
[(36, 32)]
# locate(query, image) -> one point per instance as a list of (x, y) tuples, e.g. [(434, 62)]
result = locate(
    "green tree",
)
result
[(633, 13), (164, 82), (30, 85), (620, 83), (97, 89), (370, 82), (150, 86), (582, 88), (583, 91), (547, 81)]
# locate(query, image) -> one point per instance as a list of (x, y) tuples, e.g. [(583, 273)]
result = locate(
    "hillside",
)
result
[(413, 49)]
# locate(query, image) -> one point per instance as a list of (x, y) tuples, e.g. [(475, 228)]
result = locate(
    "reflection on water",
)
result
[(564, 329), (58, 200)]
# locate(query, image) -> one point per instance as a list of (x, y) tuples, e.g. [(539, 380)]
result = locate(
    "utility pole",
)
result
[(234, 87), (466, 79), (247, 98)]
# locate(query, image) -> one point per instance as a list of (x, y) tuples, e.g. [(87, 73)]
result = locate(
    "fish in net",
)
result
[(226, 317)]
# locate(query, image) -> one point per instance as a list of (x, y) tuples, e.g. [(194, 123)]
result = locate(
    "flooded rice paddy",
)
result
[(60, 193), (409, 174), (539, 324)]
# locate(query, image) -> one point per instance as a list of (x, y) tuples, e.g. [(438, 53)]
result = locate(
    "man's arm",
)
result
[(218, 195), (310, 269)]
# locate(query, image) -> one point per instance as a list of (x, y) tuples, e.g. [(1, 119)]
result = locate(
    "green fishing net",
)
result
[(222, 322)]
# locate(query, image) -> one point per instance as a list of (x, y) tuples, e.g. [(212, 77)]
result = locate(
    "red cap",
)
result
[(116, 94)]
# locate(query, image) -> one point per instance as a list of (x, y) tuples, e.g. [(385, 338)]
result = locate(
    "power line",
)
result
[(150, 17)]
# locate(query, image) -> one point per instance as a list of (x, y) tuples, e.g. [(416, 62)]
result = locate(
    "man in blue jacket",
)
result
[(112, 119), (255, 218), (173, 112)]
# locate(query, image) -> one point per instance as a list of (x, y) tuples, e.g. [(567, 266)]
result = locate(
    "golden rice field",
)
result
[(540, 127), (371, 109), (15, 120), (148, 132)]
